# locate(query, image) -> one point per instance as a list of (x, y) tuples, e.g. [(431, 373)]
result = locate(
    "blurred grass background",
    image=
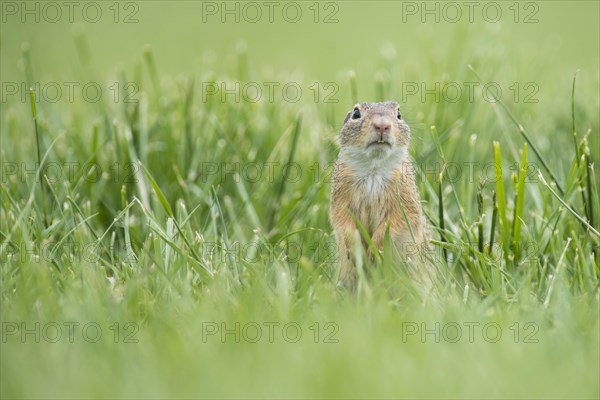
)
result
[(151, 273)]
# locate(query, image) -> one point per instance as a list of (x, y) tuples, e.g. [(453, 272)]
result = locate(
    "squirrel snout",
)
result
[(381, 124)]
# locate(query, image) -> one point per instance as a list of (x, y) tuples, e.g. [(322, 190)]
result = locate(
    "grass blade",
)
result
[(501, 199), (367, 238), (284, 179), (161, 197), (37, 141), (438, 145), (441, 216), (579, 218), (518, 221), (480, 238), (493, 225), (557, 274)]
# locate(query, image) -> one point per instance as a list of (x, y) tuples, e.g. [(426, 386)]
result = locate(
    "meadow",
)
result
[(165, 200)]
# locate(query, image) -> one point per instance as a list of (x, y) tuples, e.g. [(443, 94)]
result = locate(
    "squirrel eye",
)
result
[(399, 115), (356, 114)]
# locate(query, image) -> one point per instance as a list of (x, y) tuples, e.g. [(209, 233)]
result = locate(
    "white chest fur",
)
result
[(373, 169)]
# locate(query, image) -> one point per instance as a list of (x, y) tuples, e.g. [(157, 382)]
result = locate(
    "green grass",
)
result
[(159, 243)]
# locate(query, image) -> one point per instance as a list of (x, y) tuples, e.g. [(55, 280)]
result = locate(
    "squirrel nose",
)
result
[(382, 125)]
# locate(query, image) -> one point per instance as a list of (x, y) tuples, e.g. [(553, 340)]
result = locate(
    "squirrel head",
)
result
[(376, 130)]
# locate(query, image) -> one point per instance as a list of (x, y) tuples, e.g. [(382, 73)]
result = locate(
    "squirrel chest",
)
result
[(374, 193)]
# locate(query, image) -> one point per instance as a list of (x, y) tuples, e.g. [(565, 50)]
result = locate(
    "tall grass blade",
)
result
[(518, 220), (161, 197), (578, 178), (277, 200), (367, 238), (557, 274), (441, 216), (579, 218), (501, 198), (480, 238), (40, 178), (493, 224), (438, 145)]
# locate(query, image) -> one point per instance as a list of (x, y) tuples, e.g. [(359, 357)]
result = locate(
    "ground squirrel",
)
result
[(373, 181)]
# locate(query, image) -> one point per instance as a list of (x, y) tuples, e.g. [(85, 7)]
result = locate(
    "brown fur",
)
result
[(375, 182)]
